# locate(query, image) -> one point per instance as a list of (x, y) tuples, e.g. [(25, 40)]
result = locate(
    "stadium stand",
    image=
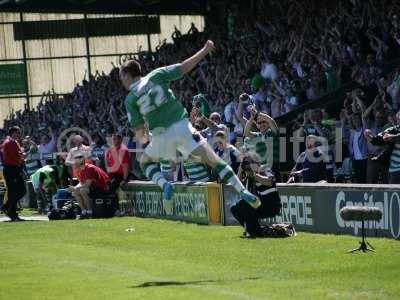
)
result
[(281, 61)]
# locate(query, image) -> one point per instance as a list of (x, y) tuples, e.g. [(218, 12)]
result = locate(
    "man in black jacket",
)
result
[(311, 164), (261, 182), (391, 155)]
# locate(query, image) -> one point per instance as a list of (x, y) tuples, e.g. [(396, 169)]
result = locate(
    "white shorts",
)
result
[(181, 136)]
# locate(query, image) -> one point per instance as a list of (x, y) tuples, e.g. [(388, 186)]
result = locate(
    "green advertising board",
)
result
[(143, 199), (12, 79)]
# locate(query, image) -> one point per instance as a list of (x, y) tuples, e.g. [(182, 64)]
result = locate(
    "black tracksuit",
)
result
[(270, 207)]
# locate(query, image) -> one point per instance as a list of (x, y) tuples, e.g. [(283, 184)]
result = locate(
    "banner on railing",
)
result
[(316, 207), (191, 202)]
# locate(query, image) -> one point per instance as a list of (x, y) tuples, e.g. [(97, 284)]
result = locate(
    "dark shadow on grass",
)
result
[(193, 282)]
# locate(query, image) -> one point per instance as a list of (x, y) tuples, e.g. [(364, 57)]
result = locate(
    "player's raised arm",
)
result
[(192, 61)]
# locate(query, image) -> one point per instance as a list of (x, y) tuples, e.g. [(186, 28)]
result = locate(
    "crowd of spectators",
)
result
[(268, 62)]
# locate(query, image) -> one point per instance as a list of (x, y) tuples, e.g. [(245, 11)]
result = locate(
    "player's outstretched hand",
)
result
[(209, 45)]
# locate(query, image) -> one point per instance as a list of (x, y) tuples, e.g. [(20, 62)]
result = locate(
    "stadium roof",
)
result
[(171, 7)]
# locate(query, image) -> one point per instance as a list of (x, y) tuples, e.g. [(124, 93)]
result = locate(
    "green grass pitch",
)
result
[(159, 259)]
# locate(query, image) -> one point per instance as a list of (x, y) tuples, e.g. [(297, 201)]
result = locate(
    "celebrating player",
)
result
[(150, 101)]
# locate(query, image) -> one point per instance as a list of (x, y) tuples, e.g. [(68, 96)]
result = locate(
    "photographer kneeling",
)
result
[(261, 182), (93, 182)]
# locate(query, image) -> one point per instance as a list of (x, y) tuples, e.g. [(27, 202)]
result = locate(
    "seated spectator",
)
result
[(93, 182), (310, 165), (261, 183)]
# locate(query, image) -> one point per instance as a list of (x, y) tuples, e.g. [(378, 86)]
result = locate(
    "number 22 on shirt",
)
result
[(151, 100)]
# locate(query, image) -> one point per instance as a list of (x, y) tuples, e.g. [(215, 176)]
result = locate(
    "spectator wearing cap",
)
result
[(117, 159), (93, 182), (13, 159)]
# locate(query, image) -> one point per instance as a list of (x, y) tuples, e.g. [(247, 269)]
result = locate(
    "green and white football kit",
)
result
[(151, 101)]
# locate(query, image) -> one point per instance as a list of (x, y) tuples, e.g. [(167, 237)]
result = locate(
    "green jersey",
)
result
[(151, 100), (266, 145), (48, 179)]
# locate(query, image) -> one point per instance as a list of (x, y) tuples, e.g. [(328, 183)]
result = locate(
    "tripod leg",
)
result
[(354, 250), (370, 246)]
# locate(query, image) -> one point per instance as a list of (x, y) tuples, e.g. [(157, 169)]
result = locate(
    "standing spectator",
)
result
[(264, 141), (315, 124), (376, 170), (259, 98), (232, 121), (117, 164), (358, 148), (99, 148), (79, 148), (312, 124), (229, 153), (391, 138), (32, 161), (213, 124), (47, 146), (310, 165), (13, 159)]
